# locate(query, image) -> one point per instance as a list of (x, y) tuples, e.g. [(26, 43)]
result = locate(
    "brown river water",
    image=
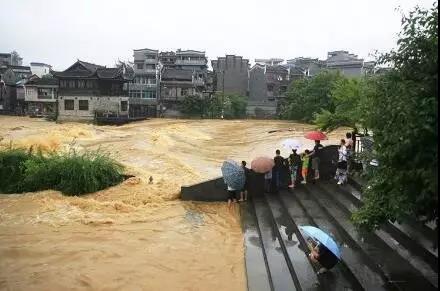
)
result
[(134, 236)]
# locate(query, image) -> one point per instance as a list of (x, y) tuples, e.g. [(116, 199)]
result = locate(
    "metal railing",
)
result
[(191, 62)]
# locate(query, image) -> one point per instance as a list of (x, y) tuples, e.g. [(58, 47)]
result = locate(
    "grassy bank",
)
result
[(71, 173)]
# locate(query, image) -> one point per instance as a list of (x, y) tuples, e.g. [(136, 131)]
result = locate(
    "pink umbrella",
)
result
[(262, 164)]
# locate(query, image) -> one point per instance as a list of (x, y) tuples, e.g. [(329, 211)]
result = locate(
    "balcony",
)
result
[(144, 71), (199, 82), (191, 62), (151, 61)]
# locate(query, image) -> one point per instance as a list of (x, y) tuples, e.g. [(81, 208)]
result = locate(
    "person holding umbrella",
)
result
[(317, 136), (325, 252), (234, 177)]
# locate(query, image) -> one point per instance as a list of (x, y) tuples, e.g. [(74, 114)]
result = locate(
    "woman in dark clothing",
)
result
[(294, 164)]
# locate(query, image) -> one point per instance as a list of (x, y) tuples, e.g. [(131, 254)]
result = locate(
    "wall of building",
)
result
[(40, 70), (257, 84), (232, 75), (102, 103)]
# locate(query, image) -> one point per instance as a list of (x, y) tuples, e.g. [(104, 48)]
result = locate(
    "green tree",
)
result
[(308, 96), (403, 116), (350, 97), (235, 106), (192, 105)]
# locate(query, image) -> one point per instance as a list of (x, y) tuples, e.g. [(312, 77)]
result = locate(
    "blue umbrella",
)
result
[(233, 174), (323, 238)]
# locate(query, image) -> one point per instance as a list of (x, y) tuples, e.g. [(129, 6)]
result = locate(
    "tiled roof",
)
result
[(93, 70), (43, 81), (108, 73)]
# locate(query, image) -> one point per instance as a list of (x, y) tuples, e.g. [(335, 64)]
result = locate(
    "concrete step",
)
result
[(257, 270), (398, 240), (427, 230), (355, 267), (282, 279), (398, 271), (294, 247)]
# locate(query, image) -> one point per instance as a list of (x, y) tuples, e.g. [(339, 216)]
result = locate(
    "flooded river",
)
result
[(134, 236)]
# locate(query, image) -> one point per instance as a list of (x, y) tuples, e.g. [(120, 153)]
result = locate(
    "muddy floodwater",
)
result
[(134, 236)]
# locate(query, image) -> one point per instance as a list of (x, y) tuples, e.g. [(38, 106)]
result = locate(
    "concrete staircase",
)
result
[(396, 257)]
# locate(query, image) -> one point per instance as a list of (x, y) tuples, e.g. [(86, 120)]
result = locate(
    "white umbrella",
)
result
[(291, 144)]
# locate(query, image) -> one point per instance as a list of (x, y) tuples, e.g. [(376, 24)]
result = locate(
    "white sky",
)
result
[(58, 32)]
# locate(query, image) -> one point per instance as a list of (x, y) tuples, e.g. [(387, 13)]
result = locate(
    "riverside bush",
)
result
[(70, 173)]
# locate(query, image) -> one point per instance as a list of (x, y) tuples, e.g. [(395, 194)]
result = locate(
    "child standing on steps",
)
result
[(305, 158)]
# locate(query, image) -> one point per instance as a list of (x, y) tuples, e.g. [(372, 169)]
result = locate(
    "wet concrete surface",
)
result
[(415, 254), (399, 272), (415, 238), (305, 274), (352, 258), (280, 273), (258, 276)]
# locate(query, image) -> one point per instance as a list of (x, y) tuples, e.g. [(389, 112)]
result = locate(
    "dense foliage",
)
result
[(350, 97), (403, 115), (72, 173), (234, 106), (308, 96)]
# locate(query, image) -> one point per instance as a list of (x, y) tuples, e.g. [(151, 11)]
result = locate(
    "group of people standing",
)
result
[(287, 173)]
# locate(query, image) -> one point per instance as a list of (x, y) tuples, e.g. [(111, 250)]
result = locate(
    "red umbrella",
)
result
[(315, 135), (262, 164)]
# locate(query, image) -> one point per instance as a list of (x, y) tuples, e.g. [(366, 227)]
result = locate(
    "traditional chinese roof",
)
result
[(42, 81), (81, 69)]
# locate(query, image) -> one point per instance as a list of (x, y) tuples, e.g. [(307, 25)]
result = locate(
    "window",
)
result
[(81, 84), (140, 66), (71, 84), (63, 84), (84, 105), (69, 104), (89, 84), (124, 105)]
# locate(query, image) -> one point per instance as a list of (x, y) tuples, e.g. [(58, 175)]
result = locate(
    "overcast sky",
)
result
[(58, 32)]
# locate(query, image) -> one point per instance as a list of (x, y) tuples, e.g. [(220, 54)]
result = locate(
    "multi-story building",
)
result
[(145, 83), (10, 59), (40, 69), (182, 73), (10, 76), (231, 75), (308, 66), (267, 87), (91, 92), (40, 96), (348, 64), (5, 59)]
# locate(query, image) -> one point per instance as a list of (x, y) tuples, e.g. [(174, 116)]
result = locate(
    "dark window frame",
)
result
[(81, 106), (70, 102)]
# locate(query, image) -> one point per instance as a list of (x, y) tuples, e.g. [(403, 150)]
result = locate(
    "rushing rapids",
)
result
[(137, 235)]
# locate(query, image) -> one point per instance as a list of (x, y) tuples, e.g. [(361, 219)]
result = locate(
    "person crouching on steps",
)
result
[(305, 158)]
